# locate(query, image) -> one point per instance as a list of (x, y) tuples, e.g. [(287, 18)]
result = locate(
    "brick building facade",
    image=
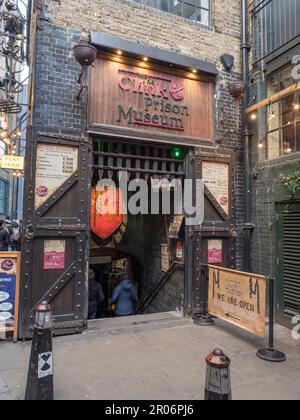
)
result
[(275, 149), (56, 27)]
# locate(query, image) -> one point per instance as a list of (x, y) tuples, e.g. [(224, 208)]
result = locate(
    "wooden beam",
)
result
[(274, 98)]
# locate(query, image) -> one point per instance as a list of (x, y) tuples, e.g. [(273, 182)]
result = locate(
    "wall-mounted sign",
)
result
[(165, 258), (54, 254), (215, 176), (55, 164), (215, 251), (137, 98), (9, 292), (238, 298), (106, 218), (12, 162)]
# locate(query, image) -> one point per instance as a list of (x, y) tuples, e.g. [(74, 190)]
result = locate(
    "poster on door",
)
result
[(54, 254), (215, 176), (9, 291), (215, 251), (55, 164)]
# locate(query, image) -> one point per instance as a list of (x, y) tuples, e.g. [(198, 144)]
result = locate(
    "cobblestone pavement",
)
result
[(152, 357)]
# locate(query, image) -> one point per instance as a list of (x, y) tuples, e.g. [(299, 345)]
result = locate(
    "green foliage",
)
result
[(291, 182)]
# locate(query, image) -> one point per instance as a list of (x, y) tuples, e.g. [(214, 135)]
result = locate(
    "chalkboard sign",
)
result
[(9, 292)]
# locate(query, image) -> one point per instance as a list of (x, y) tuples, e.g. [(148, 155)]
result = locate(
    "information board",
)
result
[(9, 292), (55, 164)]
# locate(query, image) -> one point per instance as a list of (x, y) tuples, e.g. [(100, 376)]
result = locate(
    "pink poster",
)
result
[(54, 255), (215, 252)]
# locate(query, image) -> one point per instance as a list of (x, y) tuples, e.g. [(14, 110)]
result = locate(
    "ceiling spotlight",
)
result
[(119, 52), (194, 71), (146, 59)]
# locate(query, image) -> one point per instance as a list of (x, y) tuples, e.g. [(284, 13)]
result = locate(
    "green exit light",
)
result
[(177, 153)]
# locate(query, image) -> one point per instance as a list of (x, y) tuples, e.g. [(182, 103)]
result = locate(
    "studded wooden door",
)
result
[(213, 242), (56, 229)]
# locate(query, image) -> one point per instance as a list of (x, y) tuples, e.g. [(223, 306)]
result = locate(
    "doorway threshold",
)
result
[(137, 323)]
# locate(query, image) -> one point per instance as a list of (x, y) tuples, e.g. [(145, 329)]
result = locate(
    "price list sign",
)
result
[(54, 166)]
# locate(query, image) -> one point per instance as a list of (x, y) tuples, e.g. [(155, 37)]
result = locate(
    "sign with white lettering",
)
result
[(9, 292), (238, 298)]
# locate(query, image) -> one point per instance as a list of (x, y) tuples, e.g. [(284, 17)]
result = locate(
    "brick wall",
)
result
[(62, 24)]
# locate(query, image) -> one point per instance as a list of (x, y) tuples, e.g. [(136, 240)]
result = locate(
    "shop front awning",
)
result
[(132, 49)]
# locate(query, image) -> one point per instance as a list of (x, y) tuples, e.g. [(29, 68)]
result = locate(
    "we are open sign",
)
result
[(238, 298)]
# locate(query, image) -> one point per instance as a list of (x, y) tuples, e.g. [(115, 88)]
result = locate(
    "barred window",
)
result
[(283, 126), (197, 10)]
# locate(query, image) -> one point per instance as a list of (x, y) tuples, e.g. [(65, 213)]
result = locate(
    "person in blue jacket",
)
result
[(125, 297)]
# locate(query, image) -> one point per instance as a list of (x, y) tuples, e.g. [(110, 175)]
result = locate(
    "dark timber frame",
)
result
[(65, 215)]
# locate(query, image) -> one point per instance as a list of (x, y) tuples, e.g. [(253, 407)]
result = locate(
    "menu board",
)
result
[(55, 164), (9, 292), (54, 255), (215, 176)]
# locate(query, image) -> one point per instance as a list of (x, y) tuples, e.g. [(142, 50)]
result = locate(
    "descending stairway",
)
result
[(158, 288)]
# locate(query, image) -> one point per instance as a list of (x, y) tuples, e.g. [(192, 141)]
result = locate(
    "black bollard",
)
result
[(218, 383), (270, 354), (40, 374)]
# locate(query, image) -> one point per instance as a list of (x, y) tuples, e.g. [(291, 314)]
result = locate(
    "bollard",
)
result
[(218, 384), (40, 373)]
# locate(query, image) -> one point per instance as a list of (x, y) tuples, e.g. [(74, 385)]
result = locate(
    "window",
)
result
[(197, 10), (275, 23), (283, 136), (3, 196)]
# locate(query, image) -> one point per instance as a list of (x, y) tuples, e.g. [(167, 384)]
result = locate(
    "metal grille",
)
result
[(139, 160), (291, 263)]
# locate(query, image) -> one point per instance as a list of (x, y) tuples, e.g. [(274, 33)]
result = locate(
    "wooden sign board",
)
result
[(215, 176), (10, 263), (149, 99), (238, 298), (55, 164)]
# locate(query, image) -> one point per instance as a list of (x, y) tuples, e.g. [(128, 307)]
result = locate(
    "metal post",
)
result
[(40, 373), (218, 383), (204, 319), (270, 354)]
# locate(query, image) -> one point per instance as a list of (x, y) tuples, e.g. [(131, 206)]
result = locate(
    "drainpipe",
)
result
[(248, 227)]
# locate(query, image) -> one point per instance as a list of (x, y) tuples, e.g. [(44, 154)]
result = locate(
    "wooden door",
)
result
[(213, 242), (56, 229)]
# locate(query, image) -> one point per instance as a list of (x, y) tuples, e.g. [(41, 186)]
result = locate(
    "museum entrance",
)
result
[(137, 255)]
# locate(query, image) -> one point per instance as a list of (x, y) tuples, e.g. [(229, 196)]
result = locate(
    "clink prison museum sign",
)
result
[(156, 91), (147, 99)]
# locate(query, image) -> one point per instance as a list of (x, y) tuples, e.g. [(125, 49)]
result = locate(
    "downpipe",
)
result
[(248, 226)]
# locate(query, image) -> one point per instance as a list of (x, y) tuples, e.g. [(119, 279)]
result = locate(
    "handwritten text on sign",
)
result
[(238, 298)]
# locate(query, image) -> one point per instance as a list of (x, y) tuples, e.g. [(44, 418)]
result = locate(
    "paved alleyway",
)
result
[(155, 357)]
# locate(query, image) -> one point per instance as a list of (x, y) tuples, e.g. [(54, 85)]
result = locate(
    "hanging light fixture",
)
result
[(296, 102)]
